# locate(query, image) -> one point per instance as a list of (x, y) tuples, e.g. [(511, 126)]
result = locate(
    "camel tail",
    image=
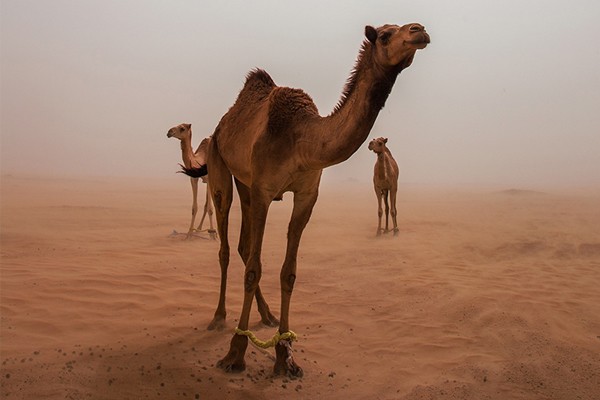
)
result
[(194, 172)]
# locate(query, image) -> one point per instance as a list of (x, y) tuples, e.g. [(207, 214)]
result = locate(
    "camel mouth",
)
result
[(420, 42), (169, 134)]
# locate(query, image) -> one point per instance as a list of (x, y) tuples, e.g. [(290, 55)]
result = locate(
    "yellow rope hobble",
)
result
[(269, 343)]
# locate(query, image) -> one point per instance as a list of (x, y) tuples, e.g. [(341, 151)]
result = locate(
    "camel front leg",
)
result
[(387, 210), (303, 206), (209, 211), (194, 182), (379, 194), (267, 317), (259, 206), (394, 211)]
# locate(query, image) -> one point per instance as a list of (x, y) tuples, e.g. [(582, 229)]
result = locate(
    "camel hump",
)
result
[(259, 79), (287, 105)]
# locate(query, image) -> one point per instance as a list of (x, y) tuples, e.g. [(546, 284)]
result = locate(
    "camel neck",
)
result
[(382, 165), (348, 126), (187, 153)]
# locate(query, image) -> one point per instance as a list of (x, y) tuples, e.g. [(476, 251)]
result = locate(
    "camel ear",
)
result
[(385, 140), (371, 33), (188, 126)]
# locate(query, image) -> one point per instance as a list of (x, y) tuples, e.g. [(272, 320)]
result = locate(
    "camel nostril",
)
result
[(416, 28)]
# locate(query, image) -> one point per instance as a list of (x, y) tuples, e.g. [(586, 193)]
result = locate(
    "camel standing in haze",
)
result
[(273, 140), (385, 181), (194, 159)]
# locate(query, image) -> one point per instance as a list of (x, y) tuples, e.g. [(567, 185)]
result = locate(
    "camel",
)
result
[(194, 159), (273, 140), (385, 181)]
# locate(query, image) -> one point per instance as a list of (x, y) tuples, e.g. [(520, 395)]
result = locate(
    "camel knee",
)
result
[(251, 280), (380, 212), (287, 281)]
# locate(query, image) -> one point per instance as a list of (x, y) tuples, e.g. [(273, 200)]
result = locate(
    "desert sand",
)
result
[(486, 293)]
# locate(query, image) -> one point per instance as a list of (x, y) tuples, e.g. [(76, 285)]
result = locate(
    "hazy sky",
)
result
[(507, 93)]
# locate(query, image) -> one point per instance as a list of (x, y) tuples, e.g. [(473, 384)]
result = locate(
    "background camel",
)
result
[(194, 159), (273, 140), (385, 181)]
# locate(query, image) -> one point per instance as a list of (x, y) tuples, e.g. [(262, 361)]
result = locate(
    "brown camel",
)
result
[(194, 159), (385, 181), (273, 140)]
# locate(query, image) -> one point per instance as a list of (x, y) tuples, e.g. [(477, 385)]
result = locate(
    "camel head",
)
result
[(395, 46), (180, 131), (378, 145)]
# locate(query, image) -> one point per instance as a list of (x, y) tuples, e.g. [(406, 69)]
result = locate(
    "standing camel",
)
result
[(194, 159), (273, 140), (385, 181)]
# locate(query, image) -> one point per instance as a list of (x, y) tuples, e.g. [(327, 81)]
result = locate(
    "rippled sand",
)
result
[(485, 294)]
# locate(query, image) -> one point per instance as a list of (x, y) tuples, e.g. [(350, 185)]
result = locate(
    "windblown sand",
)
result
[(485, 294)]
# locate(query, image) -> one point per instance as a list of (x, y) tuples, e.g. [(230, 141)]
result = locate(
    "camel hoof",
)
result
[(270, 320), (292, 372), (284, 363), (228, 364), (234, 360), (218, 323), (396, 230)]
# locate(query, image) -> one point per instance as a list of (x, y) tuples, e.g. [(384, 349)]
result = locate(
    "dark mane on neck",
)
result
[(382, 87), (359, 65)]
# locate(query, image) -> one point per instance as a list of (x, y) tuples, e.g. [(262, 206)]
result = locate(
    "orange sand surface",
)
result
[(485, 294)]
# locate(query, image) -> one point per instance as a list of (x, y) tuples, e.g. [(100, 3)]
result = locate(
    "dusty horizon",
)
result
[(501, 96), (482, 295)]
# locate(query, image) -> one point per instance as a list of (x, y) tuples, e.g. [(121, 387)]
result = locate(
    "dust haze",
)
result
[(485, 293), (507, 93)]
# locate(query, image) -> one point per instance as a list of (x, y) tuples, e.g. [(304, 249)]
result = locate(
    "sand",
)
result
[(487, 293)]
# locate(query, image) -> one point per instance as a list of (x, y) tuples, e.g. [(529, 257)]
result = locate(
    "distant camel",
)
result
[(385, 180), (273, 140), (194, 159)]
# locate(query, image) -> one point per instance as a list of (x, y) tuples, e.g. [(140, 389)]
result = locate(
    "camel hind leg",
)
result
[(222, 193), (205, 210), (259, 207), (208, 210), (194, 182)]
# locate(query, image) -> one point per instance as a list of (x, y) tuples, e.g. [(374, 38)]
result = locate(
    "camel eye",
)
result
[(385, 37), (181, 129)]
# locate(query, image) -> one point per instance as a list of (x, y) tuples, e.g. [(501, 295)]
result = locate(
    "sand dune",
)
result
[(485, 294)]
